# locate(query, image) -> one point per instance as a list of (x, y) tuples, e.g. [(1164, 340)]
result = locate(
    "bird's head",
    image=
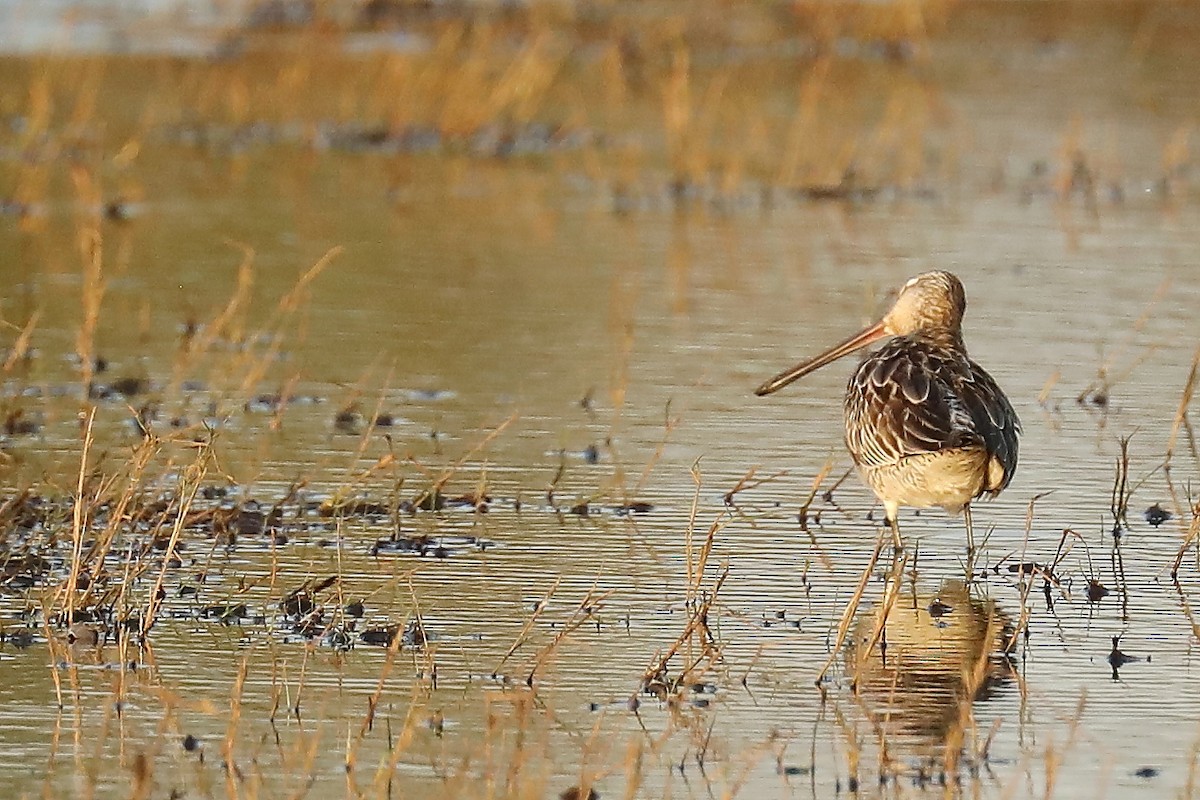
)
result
[(932, 301)]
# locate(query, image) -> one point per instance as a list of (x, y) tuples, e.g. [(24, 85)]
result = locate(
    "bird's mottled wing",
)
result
[(993, 416), (901, 402)]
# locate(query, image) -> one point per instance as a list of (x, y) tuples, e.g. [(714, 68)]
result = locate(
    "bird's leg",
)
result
[(892, 510), (970, 565), (970, 533)]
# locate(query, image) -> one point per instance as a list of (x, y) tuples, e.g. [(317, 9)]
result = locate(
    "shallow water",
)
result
[(469, 291)]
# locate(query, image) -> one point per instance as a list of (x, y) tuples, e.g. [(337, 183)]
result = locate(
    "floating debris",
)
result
[(130, 386), (429, 395), (348, 420), (247, 519), (435, 546), (414, 635), (121, 387), (120, 209), (272, 403), (302, 600), (379, 637), (1118, 659), (1156, 515), (18, 424), (338, 639), (227, 613), (1096, 591), (355, 508), (475, 500), (83, 635), (938, 609), (10, 207), (429, 500), (20, 638)]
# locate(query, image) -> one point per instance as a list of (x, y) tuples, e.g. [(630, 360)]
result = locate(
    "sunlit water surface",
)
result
[(477, 292)]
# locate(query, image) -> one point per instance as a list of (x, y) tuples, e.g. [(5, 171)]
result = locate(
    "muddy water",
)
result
[(468, 292)]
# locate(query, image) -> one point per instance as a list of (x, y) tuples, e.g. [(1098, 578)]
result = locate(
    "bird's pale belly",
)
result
[(947, 478)]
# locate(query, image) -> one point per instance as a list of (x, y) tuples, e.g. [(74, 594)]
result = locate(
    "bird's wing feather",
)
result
[(993, 417), (902, 401)]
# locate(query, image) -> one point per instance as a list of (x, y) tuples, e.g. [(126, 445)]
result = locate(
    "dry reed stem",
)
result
[(341, 494), (142, 456), (974, 676), (891, 591), (1120, 491), (669, 425), (228, 324), (828, 496), (697, 622), (438, 483), (385, 671), (851, 607), (233, 773), (1044, 395), (20, 347), (818, 479), (90, 244), (690, 531), (79, 521), (1189, 388), (192, 481), (621, 329), (1106, 379), (254, 370), (365, 439), (588, 607), (748, 482), (1054, 758), (1193, 533), (1186, 607), (523, 635), (677, 110), (1025, 585), (712, 652), (382, 783)]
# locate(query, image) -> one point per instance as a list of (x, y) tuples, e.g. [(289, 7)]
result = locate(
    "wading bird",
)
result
[(925, 425)]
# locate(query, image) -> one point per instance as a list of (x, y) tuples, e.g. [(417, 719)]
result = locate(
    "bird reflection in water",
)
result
[(941, 654)]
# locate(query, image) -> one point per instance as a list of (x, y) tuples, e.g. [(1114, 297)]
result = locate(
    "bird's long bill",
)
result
[(860, 339)]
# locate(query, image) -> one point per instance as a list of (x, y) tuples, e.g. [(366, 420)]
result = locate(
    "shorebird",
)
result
[(925, 425)]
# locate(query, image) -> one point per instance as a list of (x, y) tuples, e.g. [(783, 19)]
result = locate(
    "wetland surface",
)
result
[(378, 413)]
